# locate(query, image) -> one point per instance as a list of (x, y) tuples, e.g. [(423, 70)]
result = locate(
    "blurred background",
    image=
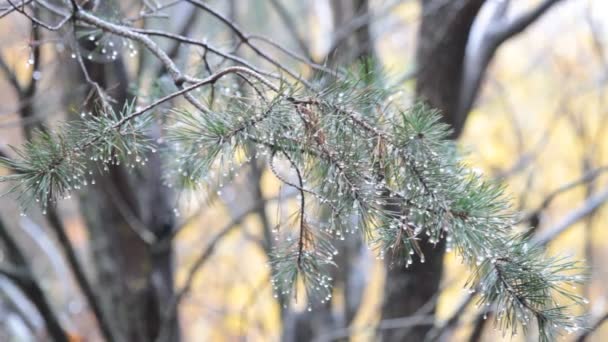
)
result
[(523, 84)]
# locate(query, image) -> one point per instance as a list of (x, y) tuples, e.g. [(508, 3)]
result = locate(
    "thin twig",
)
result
[(588, 207), (586, 178), (596, 325), (38, 21), (246, 40)]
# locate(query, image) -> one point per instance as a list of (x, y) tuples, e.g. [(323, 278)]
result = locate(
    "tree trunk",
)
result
[(442, 41)]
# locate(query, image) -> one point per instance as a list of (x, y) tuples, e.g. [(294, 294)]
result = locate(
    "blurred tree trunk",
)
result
[(134, 280), (442, 41)]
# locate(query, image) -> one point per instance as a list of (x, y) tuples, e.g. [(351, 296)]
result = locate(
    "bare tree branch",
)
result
[(587, 208), (246, 40), (126, 32), (507, 29), (498, 31), (305, 60), (185, 30), (596, 325), (586, 178), (24, 279), (11, 9), (10, 76), (38, 21), (206, 46)]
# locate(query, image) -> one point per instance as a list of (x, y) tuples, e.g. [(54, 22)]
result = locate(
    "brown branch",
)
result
[(209, 80), (184, 91), (127, 32), (103, 96), (303, 229)]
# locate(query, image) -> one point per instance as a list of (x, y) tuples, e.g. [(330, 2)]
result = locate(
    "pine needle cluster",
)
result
[(371, 165), (55, 163)]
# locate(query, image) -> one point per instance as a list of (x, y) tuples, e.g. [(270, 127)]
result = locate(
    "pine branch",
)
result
[(379, 169)]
